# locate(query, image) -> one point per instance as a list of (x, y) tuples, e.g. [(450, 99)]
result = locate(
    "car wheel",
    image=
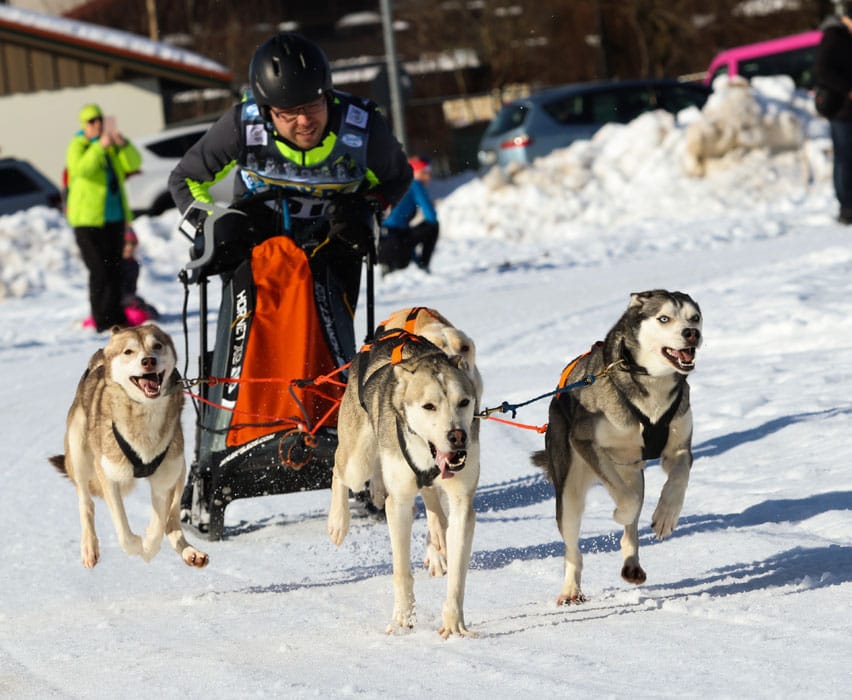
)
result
[(162, 203)]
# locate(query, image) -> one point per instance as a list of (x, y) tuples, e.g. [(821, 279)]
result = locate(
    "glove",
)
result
[(350, 221)]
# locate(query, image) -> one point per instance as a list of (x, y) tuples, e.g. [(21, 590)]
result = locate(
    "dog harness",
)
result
[(656, 435), (140, 469)]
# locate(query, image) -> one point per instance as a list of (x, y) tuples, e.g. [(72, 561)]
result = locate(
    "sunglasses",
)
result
[(290, 115), (95, 119)]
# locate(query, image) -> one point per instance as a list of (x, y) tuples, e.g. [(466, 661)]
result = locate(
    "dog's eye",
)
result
[(158, 346), (128, 351), (464, 402), (663, 319), (695, 319), (428, 407), (465, 348)]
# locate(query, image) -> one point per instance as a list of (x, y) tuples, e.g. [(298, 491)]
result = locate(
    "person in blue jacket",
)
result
[(402, 243)]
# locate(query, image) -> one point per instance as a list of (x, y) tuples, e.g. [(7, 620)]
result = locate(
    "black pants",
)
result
[(399, 246), (101, 249)]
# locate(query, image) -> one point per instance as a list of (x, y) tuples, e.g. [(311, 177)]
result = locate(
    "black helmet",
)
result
[(287, 71)]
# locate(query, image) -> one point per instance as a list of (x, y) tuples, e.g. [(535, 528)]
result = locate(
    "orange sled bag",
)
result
[(266, 425)]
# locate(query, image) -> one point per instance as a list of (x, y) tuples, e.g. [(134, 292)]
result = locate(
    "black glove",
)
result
[(350, 219)]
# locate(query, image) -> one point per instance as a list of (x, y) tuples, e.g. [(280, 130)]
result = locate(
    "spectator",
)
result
[(297, 136), (401, 242), (97, 161), (833, 70)]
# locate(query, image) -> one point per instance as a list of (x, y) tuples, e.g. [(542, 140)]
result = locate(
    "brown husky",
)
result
[(124, 425)]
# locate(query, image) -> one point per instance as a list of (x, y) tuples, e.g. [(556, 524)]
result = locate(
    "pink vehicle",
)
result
[(790, 55)]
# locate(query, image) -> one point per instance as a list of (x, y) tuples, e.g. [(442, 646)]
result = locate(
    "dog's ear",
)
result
[(460, 362), (408, 365), (639, 298)]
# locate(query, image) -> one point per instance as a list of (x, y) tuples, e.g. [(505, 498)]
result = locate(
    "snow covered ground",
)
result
[(749, 598)]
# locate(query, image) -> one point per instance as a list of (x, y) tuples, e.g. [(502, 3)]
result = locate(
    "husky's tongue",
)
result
[(149, 384), (684, 358), (449, 462)]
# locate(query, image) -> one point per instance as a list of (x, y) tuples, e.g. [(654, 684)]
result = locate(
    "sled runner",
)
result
[(272, 379)]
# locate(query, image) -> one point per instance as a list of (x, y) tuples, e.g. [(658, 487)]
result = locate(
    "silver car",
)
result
[(148, 188), (531, 127)]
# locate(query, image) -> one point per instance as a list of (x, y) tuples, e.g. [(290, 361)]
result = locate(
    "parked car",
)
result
[(531, 127), (23, 186), (789, 55), (148, 188)]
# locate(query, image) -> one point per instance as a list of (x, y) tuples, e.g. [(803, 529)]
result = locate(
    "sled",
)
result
[(270, 383)]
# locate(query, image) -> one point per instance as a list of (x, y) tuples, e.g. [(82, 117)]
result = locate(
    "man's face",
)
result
[(304, 125), (93, 128)]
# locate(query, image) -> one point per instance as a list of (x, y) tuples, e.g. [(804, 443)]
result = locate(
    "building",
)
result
[(51, 66)]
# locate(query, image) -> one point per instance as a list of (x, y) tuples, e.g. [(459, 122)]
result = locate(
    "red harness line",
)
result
[(311, 384)]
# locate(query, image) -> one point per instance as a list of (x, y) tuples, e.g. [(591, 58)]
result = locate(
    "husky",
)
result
[(636, 409), (124, 425), (407, 419), (430, 324)]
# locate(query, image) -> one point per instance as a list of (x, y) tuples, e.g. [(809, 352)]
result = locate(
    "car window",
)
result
[(633, 101), (674, 98), (14, 181), (798, 64), (508, 118), (175, 146), (570, 109), (602, 107)]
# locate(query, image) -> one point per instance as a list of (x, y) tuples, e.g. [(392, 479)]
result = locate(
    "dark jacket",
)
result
[(833, 65), (374, 160)]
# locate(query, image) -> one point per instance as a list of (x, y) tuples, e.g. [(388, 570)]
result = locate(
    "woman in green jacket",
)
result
[(97, 162)]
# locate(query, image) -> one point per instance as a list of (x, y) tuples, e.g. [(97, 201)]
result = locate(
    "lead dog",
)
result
[(406, 418), (637, 409), (124, 425), (430, 324)]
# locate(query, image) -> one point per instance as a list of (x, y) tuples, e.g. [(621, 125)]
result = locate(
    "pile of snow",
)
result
[(639, 171)]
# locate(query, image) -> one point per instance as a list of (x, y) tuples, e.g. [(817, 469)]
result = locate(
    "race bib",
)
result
[(356, 117), (255, 135)]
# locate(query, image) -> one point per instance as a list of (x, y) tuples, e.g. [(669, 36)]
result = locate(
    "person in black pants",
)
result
[(97, 161), (833, 70)]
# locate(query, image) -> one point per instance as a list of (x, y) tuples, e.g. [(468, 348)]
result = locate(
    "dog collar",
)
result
[(140, 469)]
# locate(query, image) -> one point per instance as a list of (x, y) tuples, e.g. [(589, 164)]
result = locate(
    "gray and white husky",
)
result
[(406, 419), (123, 426), (637, 409)]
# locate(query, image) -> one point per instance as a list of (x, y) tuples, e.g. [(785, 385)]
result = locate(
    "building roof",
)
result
[(125, 52)]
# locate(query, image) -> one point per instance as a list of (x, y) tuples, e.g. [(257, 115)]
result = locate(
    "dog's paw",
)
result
[(457, 629), (192, 557), (337, 524), (90, 553), (403, 621), (435, 561), (632, 572), (453, 621), (665, 517), (572, 598)]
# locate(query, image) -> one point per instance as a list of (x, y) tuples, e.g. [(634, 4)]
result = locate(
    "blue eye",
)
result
[(663, 319)]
